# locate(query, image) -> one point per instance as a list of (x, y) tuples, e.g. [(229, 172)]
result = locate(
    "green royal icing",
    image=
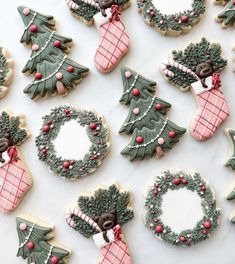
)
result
[(150, 124), (104, 200), (3, 68), (227, 16), (153, 202), (99, 141), (43, 251), (48, 59), (176, 22)]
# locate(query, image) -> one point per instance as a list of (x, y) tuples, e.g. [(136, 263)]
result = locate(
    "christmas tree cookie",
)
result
[(15, 178), (35, 242), (6, 72), (227, 16), (94, 136), (54, 72), (198, 68), (160, 207), (152, 132), (100, 216), (106, 15)]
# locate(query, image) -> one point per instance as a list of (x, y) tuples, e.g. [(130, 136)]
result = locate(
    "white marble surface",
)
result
[(51, 195)]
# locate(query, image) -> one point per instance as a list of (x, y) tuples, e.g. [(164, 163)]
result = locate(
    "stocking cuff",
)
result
[(100, 20), (198, 88)]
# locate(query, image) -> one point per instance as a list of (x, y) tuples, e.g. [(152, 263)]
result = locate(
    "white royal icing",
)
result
[(100, 20), (99, 238), (198, 88)]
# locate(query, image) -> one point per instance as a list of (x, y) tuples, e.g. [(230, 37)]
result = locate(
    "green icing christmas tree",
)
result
[(227, 16), (152, 132), (55, 73), (34, 245)]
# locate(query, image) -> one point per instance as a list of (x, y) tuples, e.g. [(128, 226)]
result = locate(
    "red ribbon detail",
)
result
[(216, 81), (115, 13), (12, 153), (117, 232)]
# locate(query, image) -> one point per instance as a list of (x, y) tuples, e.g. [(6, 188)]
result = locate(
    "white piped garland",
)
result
[(151, 141), (141, 117), (132, 86), (49, 255), (72, 5), (27, 237), (44, 47), (31, 22)]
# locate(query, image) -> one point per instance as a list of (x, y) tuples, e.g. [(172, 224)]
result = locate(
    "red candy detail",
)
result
[(158, 106), (57, 44), (177, 181), (184, 181), (135, 92), (184, 19), (54, 260), (233, 2), (30, 245), (159, 229), (204, 232), (38, 75), (92, 126), (139, 140), (182, 239), (67, 111), (44, 151), (72, 162), (33, 28), (155, 192), (203, 188), (66, 164), (152, 13), (70, 69), (49, 122), (46, 128), (207, 224), (171, 134)]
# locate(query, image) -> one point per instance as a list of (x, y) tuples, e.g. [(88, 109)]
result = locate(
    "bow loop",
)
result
[(216, 81), (115, 13), (117, 232), (12, 153)]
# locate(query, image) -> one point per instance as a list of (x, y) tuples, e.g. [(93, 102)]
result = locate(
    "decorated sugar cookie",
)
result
[(198, 68), (152, 132), (6, 72), (227, 16), (15, 178), (56, 145), (35, 242), (172, 24), (190, 225), (106, 15), (54, 72), (100, 216)]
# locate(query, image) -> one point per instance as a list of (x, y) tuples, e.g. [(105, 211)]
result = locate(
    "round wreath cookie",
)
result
[(93, 132), (173, 24), (169, 184)]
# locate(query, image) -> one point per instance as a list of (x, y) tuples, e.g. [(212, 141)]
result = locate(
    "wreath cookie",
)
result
[(6, 72), (227, 16), (174, 24), (96, 131), (175, 181)]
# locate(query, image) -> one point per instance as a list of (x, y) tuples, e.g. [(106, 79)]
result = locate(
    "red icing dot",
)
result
[(139, 140), (184, 181), (158, 106), (67, 111), (233, 2), (46, 128), (203, 188), (159, 229), (155, 192), (72, 162), (177, 181), (30, 245), (70, 69), (54, 260), (135, 92), (38, 75), (33, 28), (155, 220), (92, 126), (57, 44), (207, 224), (66, 164), (184, 19), (44, 151), (204, 232), (171, 134), (49, 122), (182, 239), (152, 13)]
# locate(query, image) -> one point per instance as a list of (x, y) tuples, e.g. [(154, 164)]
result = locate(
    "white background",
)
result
[(51, 195)]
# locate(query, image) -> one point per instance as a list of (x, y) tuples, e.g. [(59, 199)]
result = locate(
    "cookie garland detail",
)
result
[(227, 16), (107, 18), (152, 131), (173, 24), (100, 216), (34, 245), (198, 68), (169, 180), (15, 178), (54, 72), (97, 133)]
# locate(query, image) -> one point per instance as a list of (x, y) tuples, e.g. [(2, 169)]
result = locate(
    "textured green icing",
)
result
[(174, 22), (104, 200), (231, 161), (153, 203), (40, 236), (227, 16), (190, 57), (231, 196), (150, 122), (3, 67), (98, 137), (48, 59)]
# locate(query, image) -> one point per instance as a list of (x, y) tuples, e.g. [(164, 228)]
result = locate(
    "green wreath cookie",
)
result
[(96, 132), (173, 24), (176, 181)]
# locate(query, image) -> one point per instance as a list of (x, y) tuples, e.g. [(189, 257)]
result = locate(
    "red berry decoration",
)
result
[(66, 164), (152, 13), (46, 128), (33, 28), (177, 181), (54, 260), (57, 44), (171, 134), (38, 75), (183, 239), (207, 225), (49, 122), (184, 181), (203, 188), (158, 106), (92, 126), (159, 229), (44, 151), (233, 2), (204, 232), (67, 111), (135, 92), (30, 245), (155, 192), (70, 69), (184, 19), (139, 140)]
